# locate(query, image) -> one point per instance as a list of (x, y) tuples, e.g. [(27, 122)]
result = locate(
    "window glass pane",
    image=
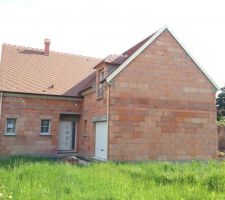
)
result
[(100, 89), (42, 129), (42, 122), (46, 129), (101, 75), (45, 124), (11, 126)]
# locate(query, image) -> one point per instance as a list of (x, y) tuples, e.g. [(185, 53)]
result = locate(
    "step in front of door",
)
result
[(67, 152)]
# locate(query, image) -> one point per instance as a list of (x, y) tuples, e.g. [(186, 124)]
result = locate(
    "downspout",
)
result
[(108, 105), (1, 96)]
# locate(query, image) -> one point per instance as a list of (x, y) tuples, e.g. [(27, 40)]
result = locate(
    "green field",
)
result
[(36, 178)]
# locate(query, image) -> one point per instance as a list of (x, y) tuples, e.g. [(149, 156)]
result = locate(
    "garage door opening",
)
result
[(101, 140)]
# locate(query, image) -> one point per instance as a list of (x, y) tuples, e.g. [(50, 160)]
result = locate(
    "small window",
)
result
[(101, 75), (11, 126), (85, 128), (45, 127), (100, 89)]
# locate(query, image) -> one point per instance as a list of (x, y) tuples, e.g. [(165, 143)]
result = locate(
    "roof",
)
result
[(28, 70), (87, 83), (130, 51), (119, 59), (138, 48), (115, 59)]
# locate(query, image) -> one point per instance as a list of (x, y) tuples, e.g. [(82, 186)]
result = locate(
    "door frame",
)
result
[(74, 135), (107, 142)]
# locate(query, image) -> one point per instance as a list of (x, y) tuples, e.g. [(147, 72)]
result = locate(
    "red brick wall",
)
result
[(92, 107), (162, 107), (29, 112)]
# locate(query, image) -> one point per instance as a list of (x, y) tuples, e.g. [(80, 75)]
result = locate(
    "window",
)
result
[(45, 127), (85, 129), (101, 75), (11, 126), (100, 89)]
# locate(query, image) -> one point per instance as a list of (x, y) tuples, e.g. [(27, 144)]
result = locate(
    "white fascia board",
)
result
[(144, 46), (195, 61)]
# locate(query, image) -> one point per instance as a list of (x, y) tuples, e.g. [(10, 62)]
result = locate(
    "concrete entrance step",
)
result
[(62, 153), (72, 158)]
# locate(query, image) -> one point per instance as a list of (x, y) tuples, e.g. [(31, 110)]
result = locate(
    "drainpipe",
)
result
[(108, 102), (1, 96)]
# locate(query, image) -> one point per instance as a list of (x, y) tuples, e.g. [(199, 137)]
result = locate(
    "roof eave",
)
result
[(38, 94)]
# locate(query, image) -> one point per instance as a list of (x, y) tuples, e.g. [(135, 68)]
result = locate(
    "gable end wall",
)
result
[(162, 107)]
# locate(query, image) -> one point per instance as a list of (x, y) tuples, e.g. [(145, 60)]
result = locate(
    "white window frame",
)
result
[(6, 127), (49, 128), (100, 88)]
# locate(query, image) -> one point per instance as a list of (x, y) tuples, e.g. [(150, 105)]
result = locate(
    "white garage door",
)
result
[(101, 140)]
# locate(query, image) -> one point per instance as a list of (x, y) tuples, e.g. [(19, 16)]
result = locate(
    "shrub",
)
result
[(221, 122)]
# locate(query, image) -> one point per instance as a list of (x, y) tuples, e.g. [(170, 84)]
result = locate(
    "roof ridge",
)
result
[(55, 52)]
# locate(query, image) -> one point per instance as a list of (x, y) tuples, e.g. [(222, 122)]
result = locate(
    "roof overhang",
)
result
[(41, 96)]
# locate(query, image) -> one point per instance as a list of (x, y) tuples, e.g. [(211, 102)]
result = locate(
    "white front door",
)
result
[(65, 135), (101, 140)]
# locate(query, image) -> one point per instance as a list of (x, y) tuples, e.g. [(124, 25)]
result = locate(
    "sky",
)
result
[(100, 27)]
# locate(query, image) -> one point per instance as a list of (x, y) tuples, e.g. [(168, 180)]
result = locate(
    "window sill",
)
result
[(45, 134), (10, 134)]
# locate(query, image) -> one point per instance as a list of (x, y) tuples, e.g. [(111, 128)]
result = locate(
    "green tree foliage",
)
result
[(221, 121), (220, 104)]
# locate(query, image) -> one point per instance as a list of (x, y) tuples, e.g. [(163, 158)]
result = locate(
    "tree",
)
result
[(220, 104)]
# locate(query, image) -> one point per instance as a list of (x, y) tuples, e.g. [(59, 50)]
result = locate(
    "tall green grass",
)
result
[(39, 179)]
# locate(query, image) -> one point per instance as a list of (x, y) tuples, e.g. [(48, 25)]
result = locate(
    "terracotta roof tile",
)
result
[(119, 59), (130, 51), (28, 70), (115, 59), (85, 84)]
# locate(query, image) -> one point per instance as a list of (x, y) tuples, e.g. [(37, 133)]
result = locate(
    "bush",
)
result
[(221, 122)]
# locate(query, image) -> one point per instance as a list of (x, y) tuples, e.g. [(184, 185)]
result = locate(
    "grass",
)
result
[(37, 178)]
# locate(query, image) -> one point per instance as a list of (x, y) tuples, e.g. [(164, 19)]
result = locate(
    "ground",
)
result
[(38, 178)]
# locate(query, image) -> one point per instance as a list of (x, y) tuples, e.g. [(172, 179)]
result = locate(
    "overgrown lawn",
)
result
[(27, 178)]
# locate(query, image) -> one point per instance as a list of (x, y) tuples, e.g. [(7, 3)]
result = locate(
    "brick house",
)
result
[(153, 102)]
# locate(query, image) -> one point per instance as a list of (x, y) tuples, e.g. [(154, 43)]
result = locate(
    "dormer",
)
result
[(100, 77), (103, 69)]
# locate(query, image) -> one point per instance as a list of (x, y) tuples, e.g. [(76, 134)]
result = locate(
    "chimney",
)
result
[(47, 47)]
